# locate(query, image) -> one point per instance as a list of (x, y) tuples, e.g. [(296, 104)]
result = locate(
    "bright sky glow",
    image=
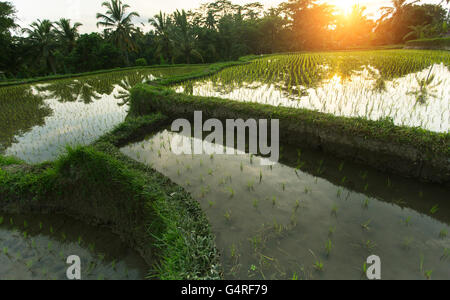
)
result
[(84, 11)]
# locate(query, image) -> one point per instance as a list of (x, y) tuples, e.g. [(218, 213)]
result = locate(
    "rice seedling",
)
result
[(446, 254), (1, 220), (365, 203), (318, 265), (407, 243), (434, 209), (231, 192), (407, 221), (369, 245), (30, 264), (422, 260), (227, 216), (443, 234), (331, 231), (297, 205), (256, 203), (428, 274), (366, 226), (334, 210), (364, 175), (366, 187), (250, 186), (364, 269), (328, 247), (234, 251)]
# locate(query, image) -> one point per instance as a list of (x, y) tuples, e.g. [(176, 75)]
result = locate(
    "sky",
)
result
[(84, 11)]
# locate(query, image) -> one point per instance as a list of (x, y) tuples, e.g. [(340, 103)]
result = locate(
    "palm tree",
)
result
[(397, 9), (184, 37), (118, 25), (418, 31), (67, 34), (162, 25), (42, 36)]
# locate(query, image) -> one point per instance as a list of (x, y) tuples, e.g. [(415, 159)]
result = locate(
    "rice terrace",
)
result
[(90, 177)]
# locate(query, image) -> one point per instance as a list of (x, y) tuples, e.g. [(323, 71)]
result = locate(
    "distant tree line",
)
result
[(216, 31)]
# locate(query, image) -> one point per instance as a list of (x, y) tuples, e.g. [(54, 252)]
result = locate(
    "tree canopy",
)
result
[(216, 31)]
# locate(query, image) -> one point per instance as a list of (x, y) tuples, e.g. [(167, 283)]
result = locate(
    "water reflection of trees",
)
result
[(23, 107), (90, 89), (20, 111)]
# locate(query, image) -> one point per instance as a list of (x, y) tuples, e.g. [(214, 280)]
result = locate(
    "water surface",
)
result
[(37, 247), (284, 221)]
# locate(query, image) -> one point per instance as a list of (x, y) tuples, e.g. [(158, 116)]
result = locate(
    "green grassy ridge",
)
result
[(98, 72), (214, 68), (176, 79), (433, 43), (99, 184), (147, 99)]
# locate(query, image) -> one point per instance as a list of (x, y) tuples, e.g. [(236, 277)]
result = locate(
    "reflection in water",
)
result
[(16, 119), (37, 246), (275, 222), (411, 90), (39, 121)]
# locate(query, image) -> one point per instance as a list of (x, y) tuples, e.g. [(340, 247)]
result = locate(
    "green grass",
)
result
[(77, 75)]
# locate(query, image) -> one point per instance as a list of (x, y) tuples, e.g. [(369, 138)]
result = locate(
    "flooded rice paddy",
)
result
[(409, 87), (38, 121), (310, 216), (37, 247)]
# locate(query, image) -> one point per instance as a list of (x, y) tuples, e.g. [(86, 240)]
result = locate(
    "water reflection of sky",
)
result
[(361, 94)]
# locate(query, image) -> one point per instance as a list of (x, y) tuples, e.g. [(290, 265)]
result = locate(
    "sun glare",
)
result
[(345, 6)]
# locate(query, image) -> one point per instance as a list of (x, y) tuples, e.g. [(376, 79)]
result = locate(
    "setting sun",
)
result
[(345, 6)]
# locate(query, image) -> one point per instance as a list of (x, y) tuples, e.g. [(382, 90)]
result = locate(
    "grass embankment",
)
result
[(432, 44), (99, 185), (411, 152), (209, 70), (13, 82)]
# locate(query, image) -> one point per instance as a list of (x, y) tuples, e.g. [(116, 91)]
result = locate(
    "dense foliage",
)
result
[(216, 31)]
